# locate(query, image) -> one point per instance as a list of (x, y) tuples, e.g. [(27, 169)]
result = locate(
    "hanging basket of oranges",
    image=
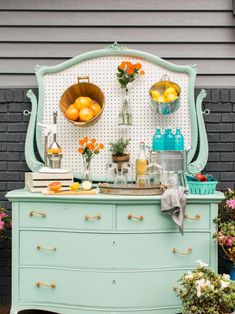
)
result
[(82, 103), (165, 96)]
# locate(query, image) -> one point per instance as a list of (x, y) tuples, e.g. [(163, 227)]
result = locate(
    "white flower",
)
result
[(201, 264), (226, 277), (202, 283), (224, 284), (189, 275)]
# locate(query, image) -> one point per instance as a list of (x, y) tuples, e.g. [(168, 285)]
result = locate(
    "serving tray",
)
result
[(130, 189)]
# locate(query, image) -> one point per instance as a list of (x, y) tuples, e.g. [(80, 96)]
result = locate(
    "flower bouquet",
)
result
[(5, 225), (204, 292), (88, 149), (127, 73)]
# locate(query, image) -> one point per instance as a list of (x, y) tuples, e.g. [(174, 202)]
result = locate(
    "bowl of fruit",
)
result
[(82, 103), (202, 184), (165, 97)]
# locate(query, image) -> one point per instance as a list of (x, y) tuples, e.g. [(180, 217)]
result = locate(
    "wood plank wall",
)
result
[(48, 32)]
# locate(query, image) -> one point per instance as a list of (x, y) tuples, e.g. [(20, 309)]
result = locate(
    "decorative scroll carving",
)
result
[(115, 47), (194, 67), (30, 157), (39, 67), (200, 163)]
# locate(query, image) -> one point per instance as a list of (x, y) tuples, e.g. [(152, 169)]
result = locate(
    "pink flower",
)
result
[(231, 203), (2, 215), (229, 241), (1, 225)]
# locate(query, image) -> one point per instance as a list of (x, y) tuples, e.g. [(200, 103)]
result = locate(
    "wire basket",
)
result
[(166, 107), (82, 89), (202, 188)]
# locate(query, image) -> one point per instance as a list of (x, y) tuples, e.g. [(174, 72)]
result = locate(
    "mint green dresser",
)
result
[(105, 254)]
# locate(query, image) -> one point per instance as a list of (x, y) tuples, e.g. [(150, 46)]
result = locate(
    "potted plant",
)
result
[(5, 225), (118, 149), (225, 234), (204, 292)]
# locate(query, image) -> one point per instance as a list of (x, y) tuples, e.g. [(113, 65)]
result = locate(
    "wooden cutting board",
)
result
[(79, 192)]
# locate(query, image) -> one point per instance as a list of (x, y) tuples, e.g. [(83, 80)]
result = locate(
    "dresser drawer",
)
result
[(150, 217), (66, 216), (136, 251), (99, 289)]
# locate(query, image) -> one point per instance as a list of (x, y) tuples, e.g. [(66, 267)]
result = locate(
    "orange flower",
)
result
[(101, 146), (138, 66), (90, 146), (85, 139), (142, 72), (81, 142), (80, 150), (93, 140), (122, 66), (97, 151), (130, 70)]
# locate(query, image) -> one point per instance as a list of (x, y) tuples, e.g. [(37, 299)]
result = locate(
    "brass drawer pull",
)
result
[(141, 217), (188, 252), (37, 213), (42, 284), (49, 249), (92, 217), (196, 218)]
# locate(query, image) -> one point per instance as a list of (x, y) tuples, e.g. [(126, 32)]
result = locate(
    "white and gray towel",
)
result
[(173, 202)]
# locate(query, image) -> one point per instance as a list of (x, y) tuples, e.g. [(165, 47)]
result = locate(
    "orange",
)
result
[(86, 114), (54, 151), (54, 186), (72, 113), (95, 107), (82, 102)]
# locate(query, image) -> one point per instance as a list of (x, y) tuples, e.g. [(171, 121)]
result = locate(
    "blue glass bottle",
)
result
[(169, 140), (158, 142), (179, 140)]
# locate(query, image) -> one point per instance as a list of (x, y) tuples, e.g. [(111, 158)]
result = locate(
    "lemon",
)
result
[(155, 94), (161, 99), (171, 97), (86, 185), (74, 186), (170, 90)]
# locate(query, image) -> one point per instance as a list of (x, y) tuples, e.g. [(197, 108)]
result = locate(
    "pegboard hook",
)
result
[(26, 112), (206, 112)]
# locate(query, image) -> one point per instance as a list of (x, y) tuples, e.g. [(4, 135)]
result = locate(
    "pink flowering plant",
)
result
[(5, 224), (204, 292), (226, 226)]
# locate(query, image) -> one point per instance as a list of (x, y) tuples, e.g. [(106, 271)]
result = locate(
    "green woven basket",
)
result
[(202, 188)]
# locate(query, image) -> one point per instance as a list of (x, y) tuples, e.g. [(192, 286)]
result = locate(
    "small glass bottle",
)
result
[(169, 140), (154, 170), (141, 165), (158, 140), (179, 140)]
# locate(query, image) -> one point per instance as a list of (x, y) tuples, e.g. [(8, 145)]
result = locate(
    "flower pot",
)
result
[(232, 272), (121, 158)]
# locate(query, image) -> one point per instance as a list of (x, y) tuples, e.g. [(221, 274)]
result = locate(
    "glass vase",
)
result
[(125, 115), (86, 174)]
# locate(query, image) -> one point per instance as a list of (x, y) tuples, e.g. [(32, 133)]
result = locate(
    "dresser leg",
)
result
[(13, 311)]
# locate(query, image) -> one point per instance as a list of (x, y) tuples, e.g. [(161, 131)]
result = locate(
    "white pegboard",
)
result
[(102, 72)]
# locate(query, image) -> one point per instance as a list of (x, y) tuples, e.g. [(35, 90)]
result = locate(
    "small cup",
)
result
[(143, 181)]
